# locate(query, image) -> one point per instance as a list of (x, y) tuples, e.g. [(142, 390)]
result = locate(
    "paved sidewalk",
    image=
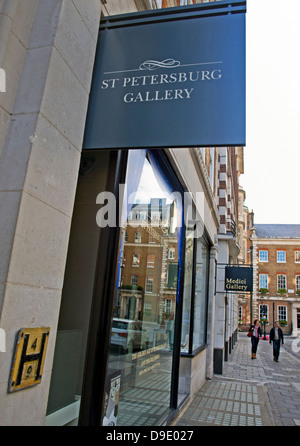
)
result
[(257, 392)]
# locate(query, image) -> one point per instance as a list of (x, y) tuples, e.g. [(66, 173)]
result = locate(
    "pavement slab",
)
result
[(250, 392)]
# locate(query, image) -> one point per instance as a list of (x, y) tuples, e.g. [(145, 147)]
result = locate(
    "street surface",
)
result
[(257, 392)]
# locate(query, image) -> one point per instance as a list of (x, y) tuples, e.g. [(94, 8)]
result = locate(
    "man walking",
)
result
[(276, 335)]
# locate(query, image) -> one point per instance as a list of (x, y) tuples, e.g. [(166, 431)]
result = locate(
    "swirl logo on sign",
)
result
[(154, 64)]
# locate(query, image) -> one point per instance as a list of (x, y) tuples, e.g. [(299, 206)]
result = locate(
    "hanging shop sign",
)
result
[(170, 78), (238, 279)]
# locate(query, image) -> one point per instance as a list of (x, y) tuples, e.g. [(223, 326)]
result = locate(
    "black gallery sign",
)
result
[(170, 78), (239, 279)]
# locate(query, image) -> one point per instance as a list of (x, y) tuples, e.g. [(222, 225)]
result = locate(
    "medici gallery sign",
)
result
[(172, 79), (238, 279)]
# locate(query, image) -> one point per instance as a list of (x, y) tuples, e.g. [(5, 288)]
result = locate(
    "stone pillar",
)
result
[(211, 314), (54, 43)]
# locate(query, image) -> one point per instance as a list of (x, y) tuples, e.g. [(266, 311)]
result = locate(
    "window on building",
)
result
[(134, 280), (298, 283), (263, 281), (152, 238), (126, 237), (136, 259), (171, 254), (297, 256), (281, 256), (281, 282), (150, 260), (168, 306), (147, 308), (172, 275), (263, 255), (155, 217), (282, 312), (137, 237), (263, 312), (143, 215), (149, 285)]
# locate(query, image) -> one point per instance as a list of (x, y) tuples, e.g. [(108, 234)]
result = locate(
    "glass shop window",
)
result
[(195, 294), (139, 377), (201, 286), (187, 293)]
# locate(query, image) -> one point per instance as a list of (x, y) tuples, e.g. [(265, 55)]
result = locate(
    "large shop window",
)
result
[(139, 377), (193, 333)]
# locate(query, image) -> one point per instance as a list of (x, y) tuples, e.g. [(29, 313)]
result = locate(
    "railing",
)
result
[(231, 226)]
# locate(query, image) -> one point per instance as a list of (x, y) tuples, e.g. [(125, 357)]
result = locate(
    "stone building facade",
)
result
[(60, 270)]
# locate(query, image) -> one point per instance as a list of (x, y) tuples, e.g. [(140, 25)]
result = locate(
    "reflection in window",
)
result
[(137, 237), (172, 275), (134, 280), (141, 357), (150, 261), (200, 304), (195, 295), (136, 260), (171, 253), (187, 293), (149, 285)]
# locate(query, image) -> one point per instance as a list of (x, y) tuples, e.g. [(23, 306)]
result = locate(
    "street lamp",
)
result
[(264, 319), (264, 322)]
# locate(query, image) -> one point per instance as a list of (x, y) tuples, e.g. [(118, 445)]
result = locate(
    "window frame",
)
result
[(279, 309), (149, 280), (171, 257), (150, 264), (263, 260), (134, 265), (191, 350), (137, 237), (137, 280), (261, 312), (281, 287), (259, 280), (280, 251)]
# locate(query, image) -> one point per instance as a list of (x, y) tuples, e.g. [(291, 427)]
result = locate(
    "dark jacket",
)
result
[(272, 335)]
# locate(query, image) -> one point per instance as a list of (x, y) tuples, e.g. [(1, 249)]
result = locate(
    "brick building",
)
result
[(276, 261), (149, 265)]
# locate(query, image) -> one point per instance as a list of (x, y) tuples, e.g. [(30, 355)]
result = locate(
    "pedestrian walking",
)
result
[(256, 333), (276, 336)]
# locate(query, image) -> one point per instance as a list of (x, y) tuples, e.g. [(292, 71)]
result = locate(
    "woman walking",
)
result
[(256, 333)]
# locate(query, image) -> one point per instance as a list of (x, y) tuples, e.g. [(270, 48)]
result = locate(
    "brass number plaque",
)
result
[(29, 358)]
